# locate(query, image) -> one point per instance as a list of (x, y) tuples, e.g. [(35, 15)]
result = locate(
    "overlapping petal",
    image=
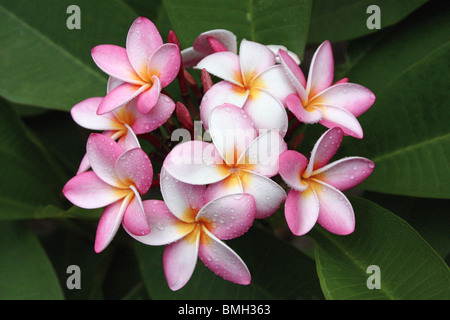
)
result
[(164, 225), (335, 210), (345, 173), (148, 98), (87, 190), (113, 60), (262, 154), (142, 40), (230, 185), (220, 93), (291, 166), (156, 117), (225, 65), (180, 259), (267, 193), (196, 162), (119, 96), (352, 97), (294, 74), (231, 130), (165, 63), (324, 149), (85, 114), (254, 58), (274, 80), (301, 210), (134, 218), (103, 153), (109, 224), (183, 200), (309, 115), (266, 111), (333, 116), (228, 217), (134, 168), (222, 260), (321, 71)]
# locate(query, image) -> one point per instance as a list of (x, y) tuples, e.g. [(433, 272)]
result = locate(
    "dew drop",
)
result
[(160, 226)]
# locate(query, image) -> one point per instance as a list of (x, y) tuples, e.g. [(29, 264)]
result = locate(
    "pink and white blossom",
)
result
[(123, 123), (246, 80), (238, 161), (207, 43), (117, 181), (317, 99), (192, 227), (316, 186), (143, 68)]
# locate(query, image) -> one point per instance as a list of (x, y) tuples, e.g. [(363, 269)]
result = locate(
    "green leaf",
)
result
[(46, 64), (282, 22), (279, 271), (406, 131), (428, 216), (30, 178), (25, 271), (378, 60), (70, 243), (409, 267), (347, 19)]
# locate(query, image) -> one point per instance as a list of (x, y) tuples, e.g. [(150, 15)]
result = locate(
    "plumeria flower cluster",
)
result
[(213, 190)]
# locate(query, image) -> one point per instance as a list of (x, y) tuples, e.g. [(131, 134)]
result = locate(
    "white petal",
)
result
[(266, 111), (263, 153)]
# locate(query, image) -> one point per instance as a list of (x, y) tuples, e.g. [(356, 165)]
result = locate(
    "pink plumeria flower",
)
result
[(316, 186), (192, 227), (123, 123), (206, 43), (246, 78), (318, 100), (238, 160), (144, 67), (116, 181), (115, 125)]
